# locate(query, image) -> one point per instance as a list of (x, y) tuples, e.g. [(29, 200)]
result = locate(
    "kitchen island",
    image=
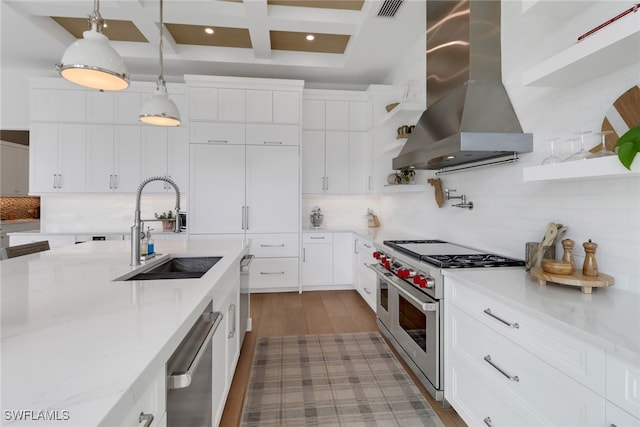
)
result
[(79, 347)]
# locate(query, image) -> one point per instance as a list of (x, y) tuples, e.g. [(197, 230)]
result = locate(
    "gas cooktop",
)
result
[(448, 255)]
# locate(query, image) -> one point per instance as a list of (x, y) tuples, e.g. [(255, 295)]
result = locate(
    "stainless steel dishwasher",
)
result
[(189, 374)]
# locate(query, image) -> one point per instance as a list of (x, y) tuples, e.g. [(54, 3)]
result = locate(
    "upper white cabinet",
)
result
[(286, 107), (203, 103), (231, 105), (113, 158), (14, 169), (57, 157), (337, 154), (613, 47), (165, 152), (58, 105), (259, 106)]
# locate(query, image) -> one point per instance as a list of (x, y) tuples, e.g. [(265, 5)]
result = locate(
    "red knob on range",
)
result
[(376, 255), (403, 273), (420, 281), (387, 265)]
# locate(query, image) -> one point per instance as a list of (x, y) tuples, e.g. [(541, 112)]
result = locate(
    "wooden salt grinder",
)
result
[(590, 267), (567, 256)]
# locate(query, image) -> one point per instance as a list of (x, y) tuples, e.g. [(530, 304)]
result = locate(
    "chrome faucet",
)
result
[(463, 199), (137, 223)]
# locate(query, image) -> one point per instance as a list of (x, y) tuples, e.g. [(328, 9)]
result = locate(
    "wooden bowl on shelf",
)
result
[(556, 267)]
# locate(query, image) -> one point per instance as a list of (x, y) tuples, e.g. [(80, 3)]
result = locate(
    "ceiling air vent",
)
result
[(389, 8)]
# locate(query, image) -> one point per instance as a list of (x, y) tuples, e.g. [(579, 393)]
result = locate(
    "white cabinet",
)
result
[(165, 152), (317, 259), (15, 227), (231, 105), (57, 157), (531, 373), (360, 163), (267, 106), (327, 260), (337, 155), (268, 169), (231, 308), (217, 184), (614, 416), (100, 107), (203, 103), (216, 133), (113, 158), (150, 402), (14, 170), (623, 383), (325, 162), (58, 105), (364, 279)]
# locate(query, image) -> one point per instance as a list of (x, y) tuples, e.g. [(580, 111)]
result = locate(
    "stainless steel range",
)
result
[(410, 299)]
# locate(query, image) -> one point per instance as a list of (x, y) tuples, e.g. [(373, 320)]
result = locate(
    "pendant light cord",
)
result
[(161, 76), (95, 18)]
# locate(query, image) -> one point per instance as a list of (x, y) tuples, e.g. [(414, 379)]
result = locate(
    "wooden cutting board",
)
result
[(623, 115)]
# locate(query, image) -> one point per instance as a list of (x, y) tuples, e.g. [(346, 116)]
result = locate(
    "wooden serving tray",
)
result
[(586, 283)]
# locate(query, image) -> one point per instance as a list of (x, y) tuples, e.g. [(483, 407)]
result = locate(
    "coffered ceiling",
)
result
[(355, 42)]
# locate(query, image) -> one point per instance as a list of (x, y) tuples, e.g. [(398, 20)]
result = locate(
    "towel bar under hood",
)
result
[(473, 118)]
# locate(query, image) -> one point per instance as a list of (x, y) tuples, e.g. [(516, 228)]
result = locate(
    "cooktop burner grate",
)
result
[(475, 260)]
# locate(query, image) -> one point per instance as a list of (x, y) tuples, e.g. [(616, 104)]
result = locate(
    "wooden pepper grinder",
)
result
[(567, 256), (590, 267)]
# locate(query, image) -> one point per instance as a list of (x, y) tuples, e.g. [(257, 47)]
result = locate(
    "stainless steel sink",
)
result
[(173, 268)]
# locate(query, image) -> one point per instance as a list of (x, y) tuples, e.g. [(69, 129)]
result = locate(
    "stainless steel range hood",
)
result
[(469, 116)]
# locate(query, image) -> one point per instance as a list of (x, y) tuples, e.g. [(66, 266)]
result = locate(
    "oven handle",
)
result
[(426, 306)]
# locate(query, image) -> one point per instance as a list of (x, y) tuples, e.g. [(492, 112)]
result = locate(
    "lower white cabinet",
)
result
[(219, 375), (500, 370), (327, 260), (15, 227), (151, 402), (317, 259), (273, 274), (364, 279)]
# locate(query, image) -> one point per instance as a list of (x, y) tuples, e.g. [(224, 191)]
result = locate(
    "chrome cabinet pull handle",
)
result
[(146, 418), (243, 214), (217, 141), (55, 180), (515, 378), (59, 180), (487, 421), (367, 246), (327, 184), (272, 272), (511, 325), (355, 246), (316, 238), (304, 254), (111, 182), (115, 181), (370, 186), (247, 220), (182, 377), (367, 291), (232, 308), (272, 142), (272, 246)]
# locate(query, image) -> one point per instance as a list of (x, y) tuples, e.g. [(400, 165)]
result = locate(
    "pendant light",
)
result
[(159, 109), (91, 61)]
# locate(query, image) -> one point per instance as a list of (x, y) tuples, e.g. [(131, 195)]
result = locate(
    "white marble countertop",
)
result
[(608, 318), (19, 221), (73, 339)]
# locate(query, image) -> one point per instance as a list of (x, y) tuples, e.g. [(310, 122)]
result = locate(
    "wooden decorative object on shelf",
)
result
[(391, 106), (437, 187), (586, 283)]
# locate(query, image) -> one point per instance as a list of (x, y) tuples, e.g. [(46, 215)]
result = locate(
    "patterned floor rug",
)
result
[(332, 380)]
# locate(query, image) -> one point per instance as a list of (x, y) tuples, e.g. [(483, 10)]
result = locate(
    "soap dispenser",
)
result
[(143, 245), (150, 243)]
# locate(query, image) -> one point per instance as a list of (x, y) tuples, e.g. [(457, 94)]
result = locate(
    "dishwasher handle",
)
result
[(182, 379)]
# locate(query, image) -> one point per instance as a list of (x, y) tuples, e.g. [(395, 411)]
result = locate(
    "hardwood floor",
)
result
[(321, 312)]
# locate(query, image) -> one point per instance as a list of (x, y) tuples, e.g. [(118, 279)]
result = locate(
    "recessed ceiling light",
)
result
[(310, 37), (209, 30)]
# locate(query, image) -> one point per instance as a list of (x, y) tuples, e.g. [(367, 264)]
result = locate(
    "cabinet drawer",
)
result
[(149, 401), (615, 416), (580, 360), (475, 401), (216, 133), (545, 391), (273, 273), (623, 383), (274, 245), (273, 134), (317, 238)]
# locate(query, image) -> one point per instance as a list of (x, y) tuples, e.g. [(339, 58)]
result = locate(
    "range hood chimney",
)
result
[(469, 116)]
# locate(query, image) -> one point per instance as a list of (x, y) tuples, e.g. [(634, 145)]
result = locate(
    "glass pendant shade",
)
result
[(159, 110), (93, 63)]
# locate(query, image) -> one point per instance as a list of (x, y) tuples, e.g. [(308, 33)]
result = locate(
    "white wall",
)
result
[(509, 212)]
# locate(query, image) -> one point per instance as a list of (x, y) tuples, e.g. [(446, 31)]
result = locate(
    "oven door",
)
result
[(383, 307), (416, 327)]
